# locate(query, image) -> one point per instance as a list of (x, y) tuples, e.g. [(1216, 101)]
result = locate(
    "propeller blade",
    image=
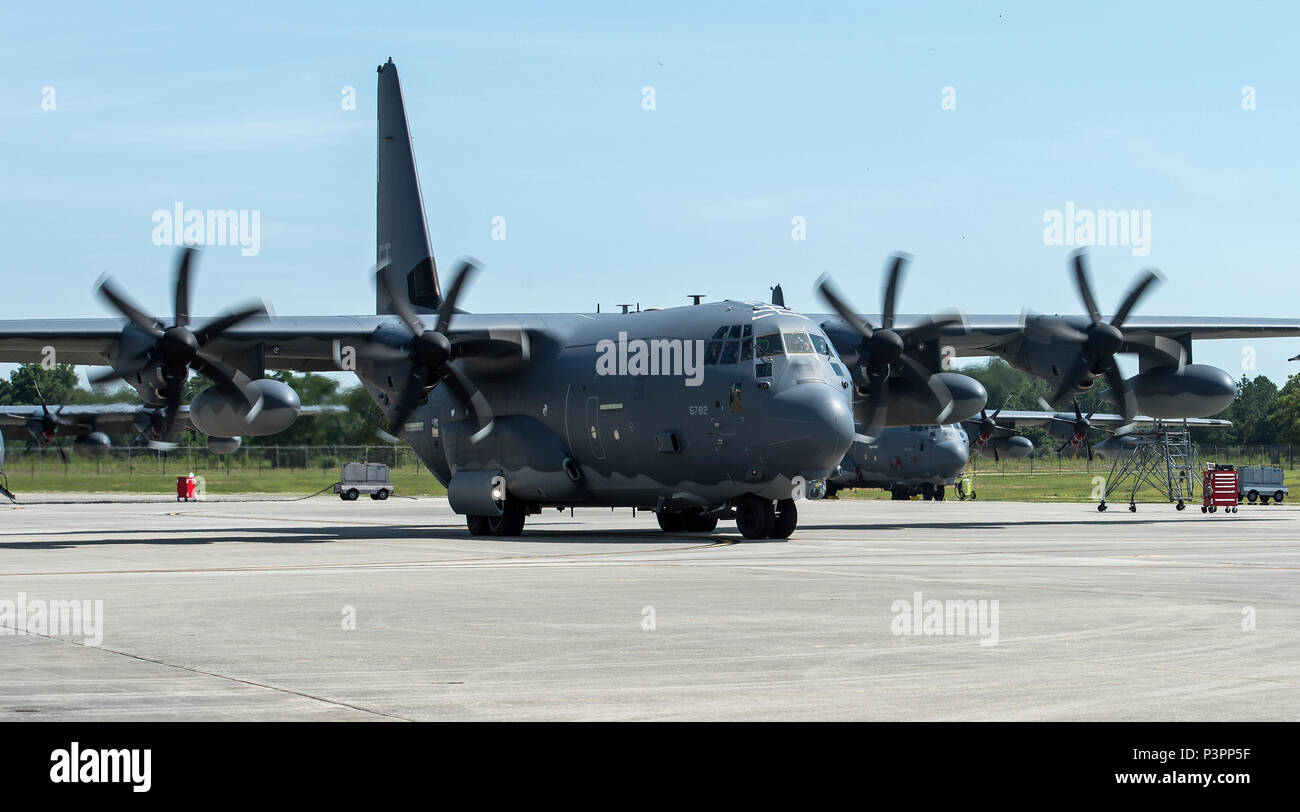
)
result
[(471, 398), (832, 297), (932, 328), (223, 373), (1084, 286), (890, 297), (1062, 447), (409, 399), (1046, 329), (1135, 293), (1120, 388), (875, 404), (219, 325), (1071, 377), (466, 270), (400, 300), (996, 458), (126, 307), (182, 309), (922, 377)]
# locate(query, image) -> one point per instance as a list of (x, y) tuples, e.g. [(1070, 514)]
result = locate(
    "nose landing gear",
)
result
[(759, 518)]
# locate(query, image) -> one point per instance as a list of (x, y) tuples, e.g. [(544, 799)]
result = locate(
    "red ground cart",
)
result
[(1219, 489)]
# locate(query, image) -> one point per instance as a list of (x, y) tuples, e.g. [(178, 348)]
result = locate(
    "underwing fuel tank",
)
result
[(220, 411), (1196, 390)]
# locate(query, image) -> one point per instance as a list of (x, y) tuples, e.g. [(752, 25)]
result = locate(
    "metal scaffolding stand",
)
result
[(1162, 457)]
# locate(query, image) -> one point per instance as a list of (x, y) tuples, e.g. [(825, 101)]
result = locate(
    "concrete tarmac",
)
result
[(320, 609)]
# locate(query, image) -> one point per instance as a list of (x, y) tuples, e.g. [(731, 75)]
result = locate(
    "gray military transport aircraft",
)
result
[(723, 409), (923, 460), (90, 426)]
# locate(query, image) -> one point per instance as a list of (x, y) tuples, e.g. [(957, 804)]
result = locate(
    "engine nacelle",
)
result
[(224, 445), (220, 411), (94, 444), (909, 406), (1012, 447), (1196, 390)]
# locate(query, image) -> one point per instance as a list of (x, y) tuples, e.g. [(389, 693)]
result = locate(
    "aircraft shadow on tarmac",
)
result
[(69, 539)]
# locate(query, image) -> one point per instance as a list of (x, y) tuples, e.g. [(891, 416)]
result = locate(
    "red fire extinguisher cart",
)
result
[(185, 487), (1219, 489)]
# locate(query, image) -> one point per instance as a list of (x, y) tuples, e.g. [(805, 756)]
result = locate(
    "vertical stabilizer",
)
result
[(401, 232)]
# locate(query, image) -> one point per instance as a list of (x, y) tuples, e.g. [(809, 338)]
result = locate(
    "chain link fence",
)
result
[(132, 461), (1047, 461)]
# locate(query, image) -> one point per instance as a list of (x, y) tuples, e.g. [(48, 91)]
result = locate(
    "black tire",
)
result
[(1204, 509), (1101, 508), (383, 494), (1252, 496), (701, 524), (938, 493), (478, 525), (786, 519), (352, 494), (671, 521), (900, 493), (927, 492), (1277, 497), (510, 522), (755, 516), (374, 497), (1181, 505), (1263, 500), (1132, 508)]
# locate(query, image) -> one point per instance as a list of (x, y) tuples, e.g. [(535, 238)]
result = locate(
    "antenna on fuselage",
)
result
[(696, 297)]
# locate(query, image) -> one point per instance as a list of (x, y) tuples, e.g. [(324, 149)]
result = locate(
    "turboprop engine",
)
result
[(1007, 447), (908, 403), (94, 444), (1196, 390), (223, 412)]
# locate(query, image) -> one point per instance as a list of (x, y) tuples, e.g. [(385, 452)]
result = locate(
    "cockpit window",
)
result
[(797, 341), (712, 352), (747, 348), (769, 344), (729, 352), (735, 331), (721, 332), (819, 341)]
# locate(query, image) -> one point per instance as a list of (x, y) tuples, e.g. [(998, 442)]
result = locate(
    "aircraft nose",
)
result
[(950, 457), (808, 429)]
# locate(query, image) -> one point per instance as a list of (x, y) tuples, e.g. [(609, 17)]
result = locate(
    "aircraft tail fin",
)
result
[(401, 231)]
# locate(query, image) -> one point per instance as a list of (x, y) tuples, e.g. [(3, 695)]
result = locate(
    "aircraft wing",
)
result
[(1009, 417), (983, 334), (110, 418), (301, 343)]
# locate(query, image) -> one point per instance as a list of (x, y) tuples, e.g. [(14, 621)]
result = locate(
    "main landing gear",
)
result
[(759, 518), (509, 523)]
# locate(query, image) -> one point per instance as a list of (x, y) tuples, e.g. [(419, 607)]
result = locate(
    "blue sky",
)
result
[(764, 112)]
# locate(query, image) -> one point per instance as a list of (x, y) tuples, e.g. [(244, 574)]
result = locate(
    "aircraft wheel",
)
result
[(670, 521), (938, 494), (510, 522), (1277, 497), (787, 516), (374, 497), (352, 494), (755, 516), (701, 524), (478, 525), (900, 493), (927, 492), (1252, 496), (383, 494)]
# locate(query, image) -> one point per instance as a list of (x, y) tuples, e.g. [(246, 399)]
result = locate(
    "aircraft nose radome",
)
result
[(808, 428), (951, 458)]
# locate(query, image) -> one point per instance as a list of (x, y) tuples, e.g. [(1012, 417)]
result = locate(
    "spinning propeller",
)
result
[(1081, 426), (1099, 342), (432, 353), (987, 425), (883, 350), (170, 352)]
